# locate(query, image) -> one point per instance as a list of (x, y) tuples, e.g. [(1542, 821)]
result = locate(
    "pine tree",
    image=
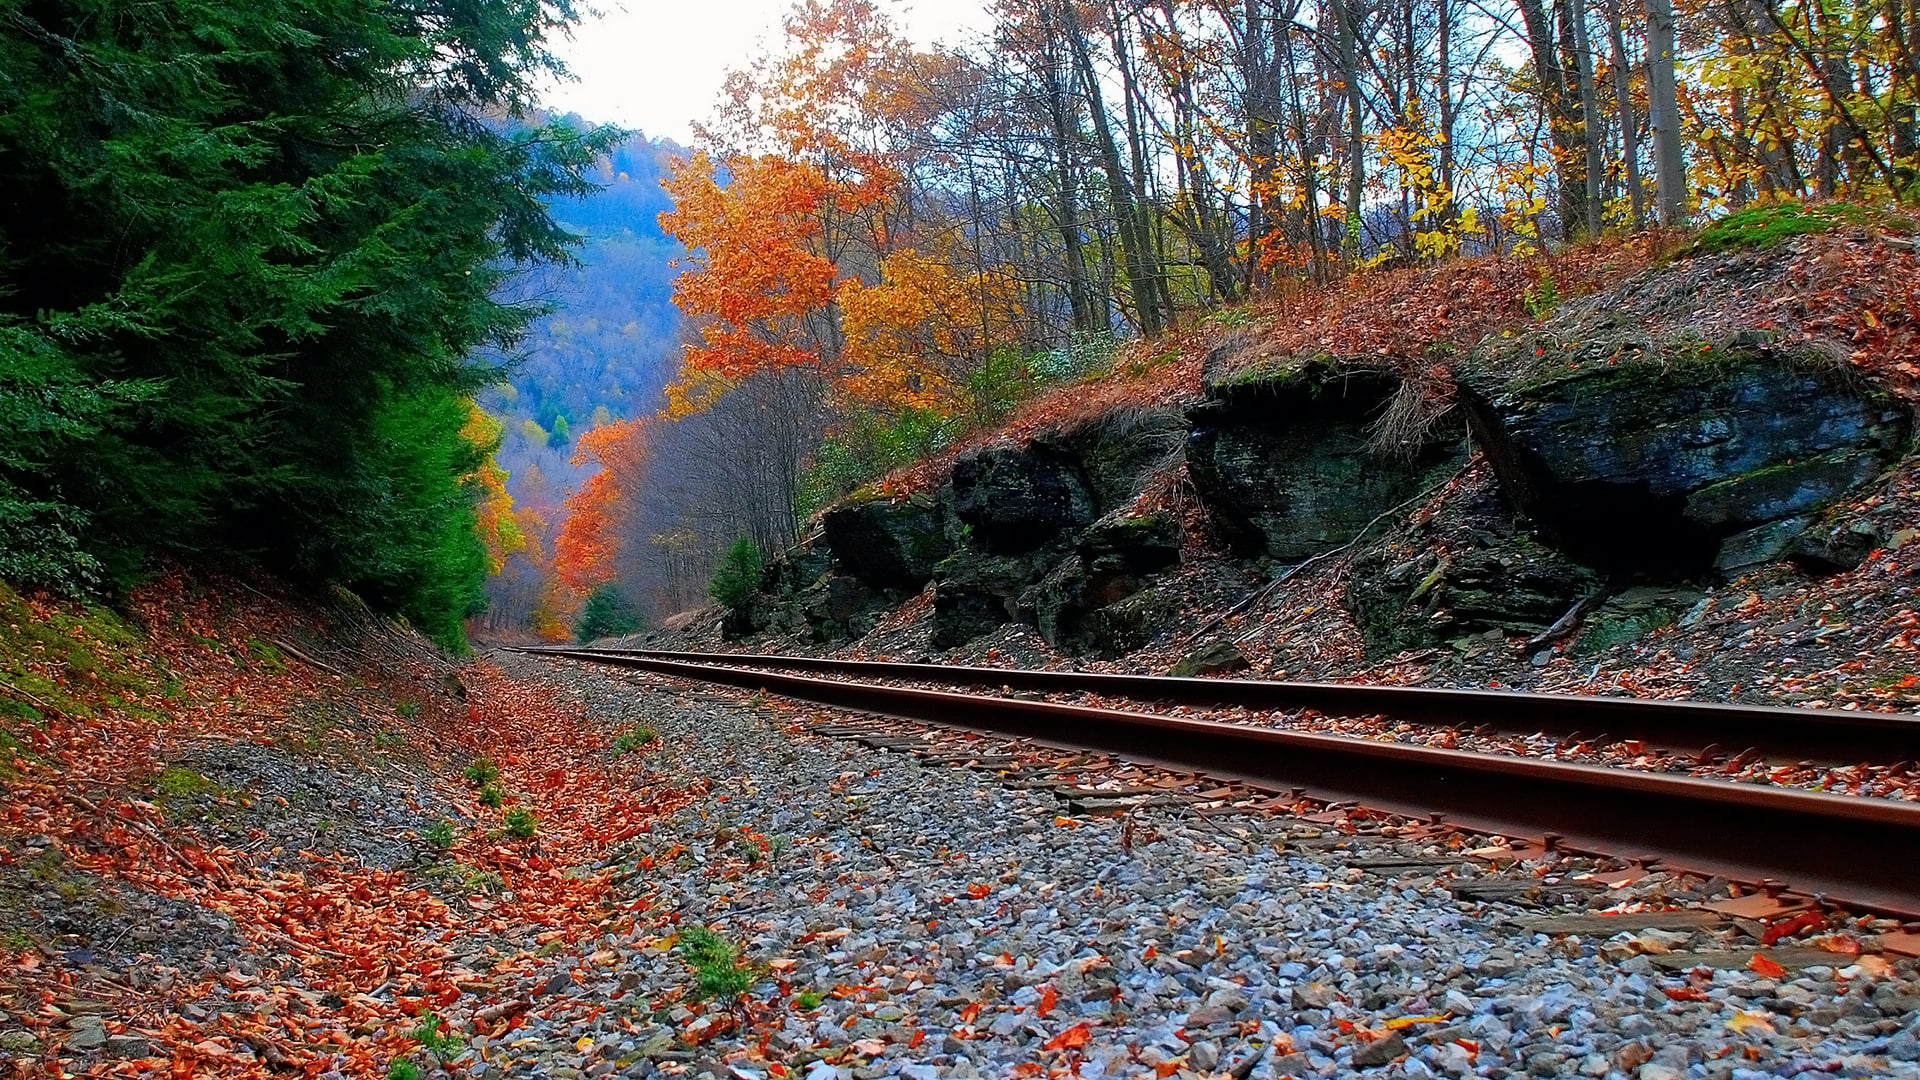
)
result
[(249, 254)]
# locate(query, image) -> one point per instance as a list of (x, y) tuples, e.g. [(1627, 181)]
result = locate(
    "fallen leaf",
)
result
[(1743, 1022), (1076, 1036), (1764, 967), (1048, 998)]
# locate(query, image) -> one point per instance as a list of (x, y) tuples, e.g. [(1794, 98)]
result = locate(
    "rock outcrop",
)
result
[(1682, 461), (1286, 461)]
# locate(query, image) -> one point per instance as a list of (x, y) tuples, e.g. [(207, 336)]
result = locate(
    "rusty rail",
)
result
[(1826, 735), (1855, 851)]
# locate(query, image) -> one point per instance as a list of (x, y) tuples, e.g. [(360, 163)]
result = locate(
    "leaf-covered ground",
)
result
[(242, 835)]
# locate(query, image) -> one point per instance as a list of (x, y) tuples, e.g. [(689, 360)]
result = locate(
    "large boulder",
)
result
[(1082, 605), (1680, 459), (1467, 569), (975, 594), (1286, 461), (886, 544), (1120, 451), (1013, 499)]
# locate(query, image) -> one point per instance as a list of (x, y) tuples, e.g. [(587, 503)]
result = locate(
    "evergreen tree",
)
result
[(737, 577), (249, 253), (607, 613)]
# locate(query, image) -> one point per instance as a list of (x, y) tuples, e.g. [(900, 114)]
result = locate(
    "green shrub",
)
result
[(402, 1069), (607, 613), (482, 772), (443, 1045), (809, 1000), (439, 835), (717, 970), (738, 576), (491, 795), (633, 739), (521, 822)]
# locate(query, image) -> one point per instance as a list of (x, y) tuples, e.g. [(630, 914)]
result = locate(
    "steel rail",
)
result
[(1859, 852), (1827, 735)]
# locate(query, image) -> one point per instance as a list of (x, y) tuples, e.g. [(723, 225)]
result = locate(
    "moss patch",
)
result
[(1760, 227)]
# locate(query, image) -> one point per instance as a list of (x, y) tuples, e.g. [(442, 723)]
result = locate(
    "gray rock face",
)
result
[(1284, 463), (1013, 499), (1680, 463), (974, 594), (891, 545), (1469, 569)]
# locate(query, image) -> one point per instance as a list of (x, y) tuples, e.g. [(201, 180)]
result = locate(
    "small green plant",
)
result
[(441, 1044), (737, 577), (387, 740), (1543, 296), (490, 795), (809, 1000), (439, 835), (407, 709), (521, 822), (482, 772), (632, 739), (717, 970), (402, 1069)]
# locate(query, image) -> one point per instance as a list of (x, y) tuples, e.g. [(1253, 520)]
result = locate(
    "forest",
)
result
[(890, 246), (256, 258)]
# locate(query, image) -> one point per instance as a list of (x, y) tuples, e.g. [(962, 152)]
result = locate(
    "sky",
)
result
[(656, 65)]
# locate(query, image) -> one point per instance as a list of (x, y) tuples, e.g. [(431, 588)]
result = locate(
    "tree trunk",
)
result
[(1663, 109)]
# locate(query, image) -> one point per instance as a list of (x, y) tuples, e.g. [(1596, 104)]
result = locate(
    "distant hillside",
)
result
[(603, 354)]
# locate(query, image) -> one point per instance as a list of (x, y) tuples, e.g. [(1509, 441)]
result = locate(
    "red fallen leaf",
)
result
[(978, 890), (971, 1013), (1764, 967), (1470, 1046), (1786, 928), (1076, 1036), (1844, 944), (1152, 951), (1048, 998), (919, 1036), (1686, 993)]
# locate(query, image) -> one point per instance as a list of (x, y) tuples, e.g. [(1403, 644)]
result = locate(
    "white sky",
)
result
[(656, 65)]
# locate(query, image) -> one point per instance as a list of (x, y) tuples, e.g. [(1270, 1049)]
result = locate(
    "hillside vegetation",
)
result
[(1685, 472), (253, 265)]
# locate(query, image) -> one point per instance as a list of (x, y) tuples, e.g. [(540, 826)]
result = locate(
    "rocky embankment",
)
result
[(1566, 488)]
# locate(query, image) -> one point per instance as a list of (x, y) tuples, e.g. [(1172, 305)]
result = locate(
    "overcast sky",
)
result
[(656, 65)]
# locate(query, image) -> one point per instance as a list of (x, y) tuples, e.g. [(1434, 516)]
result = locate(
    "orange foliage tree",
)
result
[(585, 552)]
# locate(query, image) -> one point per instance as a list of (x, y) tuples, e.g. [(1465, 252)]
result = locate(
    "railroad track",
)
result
[(1858, 852)]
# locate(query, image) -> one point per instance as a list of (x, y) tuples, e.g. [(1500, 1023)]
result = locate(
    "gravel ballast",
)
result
[(930, 921)]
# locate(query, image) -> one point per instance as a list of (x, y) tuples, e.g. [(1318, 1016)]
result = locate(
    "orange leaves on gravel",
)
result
[(1071, 1039), (1049, 997), (1764, 967)]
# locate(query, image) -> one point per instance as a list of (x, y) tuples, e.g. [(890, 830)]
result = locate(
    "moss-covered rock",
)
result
[(887, 544), (1680, 458), (1471, 570), (1286, 463), (975, 594), (1014, 499)]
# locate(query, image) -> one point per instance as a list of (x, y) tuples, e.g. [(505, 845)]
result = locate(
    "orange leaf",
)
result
[(1048, 998), (978, 891), (1076, 1036), (1764, 967), (969, 1014)]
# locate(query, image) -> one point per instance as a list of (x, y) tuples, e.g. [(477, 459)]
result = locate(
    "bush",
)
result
[(607, 613), (482, 772), (717, 970), (439, 835), (634, 738), (521, 822), (738, 576)]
